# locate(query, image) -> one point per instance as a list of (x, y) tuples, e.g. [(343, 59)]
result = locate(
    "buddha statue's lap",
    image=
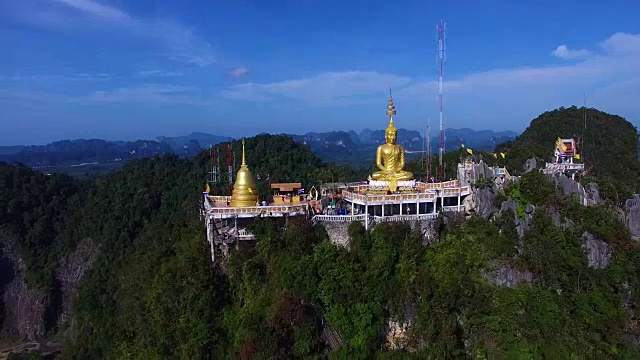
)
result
[(386, 176)]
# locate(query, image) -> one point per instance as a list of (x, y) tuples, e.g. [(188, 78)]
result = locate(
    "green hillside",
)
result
[(608, 145), (153, 294)]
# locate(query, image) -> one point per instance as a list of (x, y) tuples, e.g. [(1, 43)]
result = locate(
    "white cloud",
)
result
[(157, 73), (524, 89), (320, 89), (150, 93), (45, 78), (622, 43), (143, 94), (564, 52), (177, 41), (239, 71), (96, 9)]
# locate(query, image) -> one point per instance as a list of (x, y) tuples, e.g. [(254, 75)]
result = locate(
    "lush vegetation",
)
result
[(153, 293), (608, 146), (33, 209), (296, 280)]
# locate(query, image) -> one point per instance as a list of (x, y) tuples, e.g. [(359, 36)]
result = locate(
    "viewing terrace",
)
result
[(217, 207)]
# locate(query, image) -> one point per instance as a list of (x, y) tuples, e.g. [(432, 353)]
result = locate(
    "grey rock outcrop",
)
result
[(557, 220), (71, 270), (632, 216), (28, 311), (503, 275), (589, 196), (522, 225), (338, 232), (480, 202), (598, 251), (592, 194), (484, 202), (24, 307), (530, 165), (475, 174)]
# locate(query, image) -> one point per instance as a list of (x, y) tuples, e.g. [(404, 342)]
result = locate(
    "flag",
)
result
[(301, 191), (495, 155), (502, 154), (470, 151), (207, 189), (577, 156)]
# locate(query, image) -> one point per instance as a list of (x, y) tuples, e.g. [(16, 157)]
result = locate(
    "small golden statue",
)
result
[(390, 156)]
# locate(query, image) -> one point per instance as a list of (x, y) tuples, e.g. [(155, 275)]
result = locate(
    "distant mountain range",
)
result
[(335, 146), (353, 147)]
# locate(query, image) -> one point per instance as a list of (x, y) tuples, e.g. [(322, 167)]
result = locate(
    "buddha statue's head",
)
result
[(391, 133)]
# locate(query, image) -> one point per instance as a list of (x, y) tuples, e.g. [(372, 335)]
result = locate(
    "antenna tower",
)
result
[(213, 179), (230, 163), (428, 149), (441, 57), (584, 129)]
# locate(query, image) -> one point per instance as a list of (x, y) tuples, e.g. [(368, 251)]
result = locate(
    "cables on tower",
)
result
[(441, 57)]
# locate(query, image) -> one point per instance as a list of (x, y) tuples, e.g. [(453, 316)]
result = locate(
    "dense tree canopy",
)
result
[(153, 292)]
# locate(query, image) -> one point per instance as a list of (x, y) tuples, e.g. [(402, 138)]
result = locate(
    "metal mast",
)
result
[(428, 149), (213, 179), (230, 163), (441, 29), (584, 129)]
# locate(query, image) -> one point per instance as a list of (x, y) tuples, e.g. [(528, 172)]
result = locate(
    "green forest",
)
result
[(153, 293)]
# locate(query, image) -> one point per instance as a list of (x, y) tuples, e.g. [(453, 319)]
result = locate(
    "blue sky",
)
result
[(125, 69)]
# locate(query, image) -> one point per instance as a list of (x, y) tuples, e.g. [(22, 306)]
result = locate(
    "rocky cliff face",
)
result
[(632, 216), (338, 232), (478, 172), (71, 270), (24, 308), (480, 202), (589, 195), (598, 252), (522, 225), (503, 275), (30, 313)]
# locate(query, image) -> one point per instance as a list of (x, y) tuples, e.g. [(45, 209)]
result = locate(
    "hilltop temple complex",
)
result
[(390, 194)]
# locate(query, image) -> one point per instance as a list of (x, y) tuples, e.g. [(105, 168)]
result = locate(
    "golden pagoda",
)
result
[(244, 189)]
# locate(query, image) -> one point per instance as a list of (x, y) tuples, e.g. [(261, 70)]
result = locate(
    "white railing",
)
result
[(258, 209), (244, 234), (405, 217), (337, 218), (552, 167), (429, 196)]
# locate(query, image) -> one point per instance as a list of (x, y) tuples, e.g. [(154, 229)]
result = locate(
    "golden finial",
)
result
[(391, 109), (244, 161)]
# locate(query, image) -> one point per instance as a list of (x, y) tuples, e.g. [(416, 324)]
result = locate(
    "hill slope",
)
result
[(152, 292), (609, 147)]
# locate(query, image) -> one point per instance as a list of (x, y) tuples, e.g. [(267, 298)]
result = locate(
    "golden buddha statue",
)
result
[(390, 156), (244, 189)]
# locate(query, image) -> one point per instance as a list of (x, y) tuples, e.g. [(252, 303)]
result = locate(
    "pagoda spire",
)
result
[(244, 161), (391, 109)]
